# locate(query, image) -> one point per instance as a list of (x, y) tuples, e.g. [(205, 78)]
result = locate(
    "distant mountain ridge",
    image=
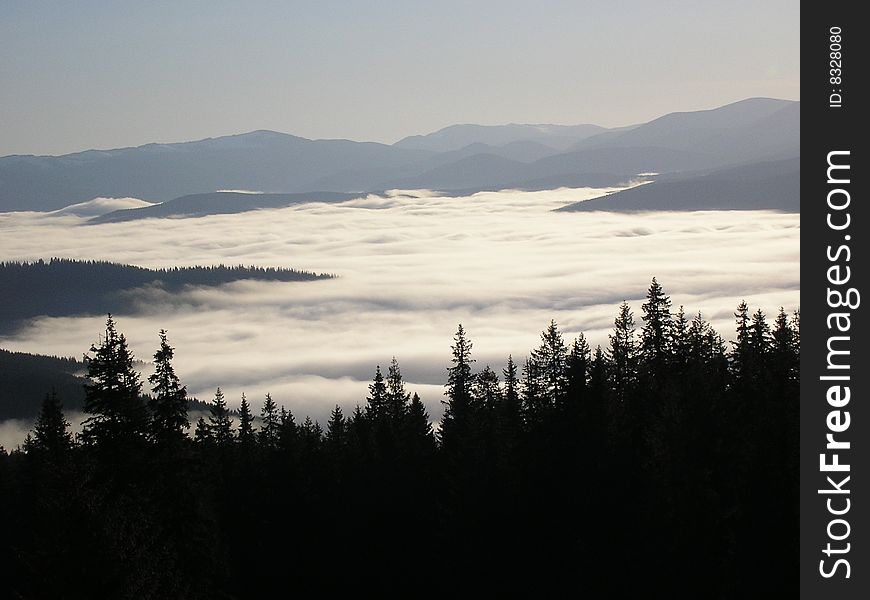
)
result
[(460, 157), (456, 137)]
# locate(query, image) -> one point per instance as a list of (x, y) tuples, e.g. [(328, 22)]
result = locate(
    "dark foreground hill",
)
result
[(61, 287), (25, 379)]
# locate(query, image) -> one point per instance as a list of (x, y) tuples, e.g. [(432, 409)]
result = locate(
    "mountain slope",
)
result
[(751, 129), (772, 185), (604, 166)]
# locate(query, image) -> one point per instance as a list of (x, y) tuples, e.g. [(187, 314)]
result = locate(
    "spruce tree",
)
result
[(623, 354), (486, 389), (740, 356), (246, 424), (397, 398), (511, 385), (534, 398), (679, 341), (288, 432), (269, 430), (458, 407), (655, 346), (549, 361), (310, 434), (510, 411), (785, 346), (220, 423), (760, 339), (577, 370), (417, 436), (50, 436), (113, 396), (336, 428), (168, 402), (376, 402), (202, 432)]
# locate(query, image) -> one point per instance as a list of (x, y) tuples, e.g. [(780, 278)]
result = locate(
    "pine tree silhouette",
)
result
[(269, 431), (50, 436), (113, 398), (220, 423), (168, 402), (246, 424)]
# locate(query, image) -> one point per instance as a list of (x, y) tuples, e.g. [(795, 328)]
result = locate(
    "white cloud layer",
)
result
[(101, 206), (411, 266)]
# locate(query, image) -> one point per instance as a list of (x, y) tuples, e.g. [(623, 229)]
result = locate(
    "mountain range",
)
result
[(458, 158)]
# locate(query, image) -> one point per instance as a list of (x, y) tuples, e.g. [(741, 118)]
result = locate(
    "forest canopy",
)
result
[(664, 461)]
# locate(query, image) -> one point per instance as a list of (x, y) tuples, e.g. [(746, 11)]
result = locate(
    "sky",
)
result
[(411, 268), (101, 74)]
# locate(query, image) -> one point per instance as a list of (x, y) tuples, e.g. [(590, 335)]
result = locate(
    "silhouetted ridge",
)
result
[(63, 287)]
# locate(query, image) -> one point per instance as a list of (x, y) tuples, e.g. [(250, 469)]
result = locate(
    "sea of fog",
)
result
[(411, 266)]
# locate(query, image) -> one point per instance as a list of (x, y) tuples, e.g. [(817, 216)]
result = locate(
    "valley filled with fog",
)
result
[(410, 266)]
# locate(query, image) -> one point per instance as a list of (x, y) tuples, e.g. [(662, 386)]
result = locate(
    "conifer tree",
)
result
[(202, 433), (533, 397), (336, 428), (760, 341), (598, 373), (458, 406), (577, 368), (740, 356), (549, 361), (50, 435), (220, 423), (418, 438), (397, 397), (376, 402), (511, 385), (623, 353), (246, 424), (656, 333), (487, 389), (113, 396), (510, 413), (168, 402), (288, 432), (785, 346), (269, 430), (680, 340), (311, 434)]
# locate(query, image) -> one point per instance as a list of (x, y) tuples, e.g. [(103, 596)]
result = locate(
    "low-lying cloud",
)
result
[(411, 266)]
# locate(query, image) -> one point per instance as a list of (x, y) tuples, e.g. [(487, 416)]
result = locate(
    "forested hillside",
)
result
[(661, 465), (63, 287)]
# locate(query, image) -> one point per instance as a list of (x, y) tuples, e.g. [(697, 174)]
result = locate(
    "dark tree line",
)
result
[(663, 463), (61, 287)]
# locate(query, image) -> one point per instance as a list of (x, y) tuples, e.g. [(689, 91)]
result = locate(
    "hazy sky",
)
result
[(100, 74)]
